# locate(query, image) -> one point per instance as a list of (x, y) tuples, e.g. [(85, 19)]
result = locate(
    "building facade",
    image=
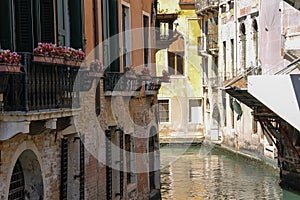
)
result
[(180, 100), (270, 67), (71, 129)]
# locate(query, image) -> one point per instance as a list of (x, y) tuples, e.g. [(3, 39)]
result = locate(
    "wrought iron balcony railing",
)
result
[(39, 86), (120, 82), (204, 5), (208, 43)]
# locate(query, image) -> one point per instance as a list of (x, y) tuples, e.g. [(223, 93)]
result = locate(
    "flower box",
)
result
[(9, 68), (146, 77), (95, 74), (56, 60)]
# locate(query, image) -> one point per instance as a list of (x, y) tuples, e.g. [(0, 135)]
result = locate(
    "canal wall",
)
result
[(250, 156)]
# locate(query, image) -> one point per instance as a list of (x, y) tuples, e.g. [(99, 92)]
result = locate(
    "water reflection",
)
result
[(215, 176)]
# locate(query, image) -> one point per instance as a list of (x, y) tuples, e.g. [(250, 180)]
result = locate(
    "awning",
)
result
[(238, 88), (280, 93)]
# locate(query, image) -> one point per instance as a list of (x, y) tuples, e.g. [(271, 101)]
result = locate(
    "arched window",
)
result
[(255, 39), (243, 41)]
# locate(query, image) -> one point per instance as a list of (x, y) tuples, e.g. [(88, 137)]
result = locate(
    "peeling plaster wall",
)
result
[(181, 88)]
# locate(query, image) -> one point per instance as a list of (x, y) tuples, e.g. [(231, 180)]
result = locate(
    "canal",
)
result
[(196, 172)]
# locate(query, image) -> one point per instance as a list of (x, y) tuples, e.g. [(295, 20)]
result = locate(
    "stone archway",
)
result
[(26, 181)]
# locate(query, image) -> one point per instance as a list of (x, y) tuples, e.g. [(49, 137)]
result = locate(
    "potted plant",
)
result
[(165, 76), (51, 53), (96, 68), (145, 74), (9, 61), (130, 72)]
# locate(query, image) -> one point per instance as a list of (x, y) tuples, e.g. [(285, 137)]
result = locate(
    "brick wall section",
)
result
[(49, 151)]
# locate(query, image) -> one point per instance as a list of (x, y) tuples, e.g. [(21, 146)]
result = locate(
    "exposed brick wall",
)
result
[(48, 151)]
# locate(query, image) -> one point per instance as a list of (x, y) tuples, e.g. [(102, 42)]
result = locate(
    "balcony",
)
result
[(164, 31), (120, 84), (208, 44), (40, 86), (43, 96), (187, 4), (203, 7)]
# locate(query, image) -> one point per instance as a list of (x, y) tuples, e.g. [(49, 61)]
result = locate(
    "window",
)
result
[(195, 111), (130, 158), (164, 113), (24, 23), (72, 165), (126, 36), (176, 63), (233, 72), (255, 39), (70, 23), (164, 30), (243, 41), (146, 40), (224, 58)]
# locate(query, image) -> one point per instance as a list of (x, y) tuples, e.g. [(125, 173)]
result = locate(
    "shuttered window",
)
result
[(24, 25), (70, 23), (108, 165), (47, 21), (31, 20), (81, 163), (64, 169), (6, 25)]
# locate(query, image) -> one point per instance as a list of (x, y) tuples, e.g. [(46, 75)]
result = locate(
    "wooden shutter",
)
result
[(108, 165), (61, 22), (47, 21), (81, 163), (5, 24), (64, 169), (76, 23), (121, 138), (23, 22)]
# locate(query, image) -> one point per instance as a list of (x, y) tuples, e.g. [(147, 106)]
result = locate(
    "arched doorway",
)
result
[(26, 181)]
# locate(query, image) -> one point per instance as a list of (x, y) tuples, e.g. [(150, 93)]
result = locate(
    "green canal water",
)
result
[(198, 173)]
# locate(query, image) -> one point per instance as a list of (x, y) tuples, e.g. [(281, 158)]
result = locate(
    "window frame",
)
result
[(200, 114), (146, 50), (169, 111), (175, 66), (126, 44)]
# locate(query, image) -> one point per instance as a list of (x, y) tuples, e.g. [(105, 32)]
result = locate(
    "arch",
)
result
[(27, 150)]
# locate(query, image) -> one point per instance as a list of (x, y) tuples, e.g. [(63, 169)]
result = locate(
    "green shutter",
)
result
[(47, 21), (61, 23), (76, 23), (23, 22), (5, 24), (114, 30)]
